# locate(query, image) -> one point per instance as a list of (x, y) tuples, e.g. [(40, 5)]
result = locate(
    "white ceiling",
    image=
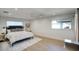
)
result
[(32, 13)]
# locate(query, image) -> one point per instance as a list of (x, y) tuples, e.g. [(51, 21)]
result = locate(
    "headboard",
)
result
[(15, 28)]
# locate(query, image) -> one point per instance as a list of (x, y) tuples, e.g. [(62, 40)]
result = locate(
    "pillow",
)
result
[(8, 31), (17, 29)]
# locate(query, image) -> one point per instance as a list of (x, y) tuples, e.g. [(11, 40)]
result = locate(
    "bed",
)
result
[(17, 35)]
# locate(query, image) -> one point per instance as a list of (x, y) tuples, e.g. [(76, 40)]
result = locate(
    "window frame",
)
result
[(14, 23), (61, 26)]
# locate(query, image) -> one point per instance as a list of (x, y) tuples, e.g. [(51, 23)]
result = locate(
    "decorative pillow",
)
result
[(17, 29)]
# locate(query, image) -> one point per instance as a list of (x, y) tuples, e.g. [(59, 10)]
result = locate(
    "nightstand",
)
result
[(2, 37)]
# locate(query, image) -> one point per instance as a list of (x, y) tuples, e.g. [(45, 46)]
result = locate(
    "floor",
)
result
[(45, 44), (48, 45)]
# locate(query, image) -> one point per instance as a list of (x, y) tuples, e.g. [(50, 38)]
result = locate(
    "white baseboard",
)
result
[(45, 36)]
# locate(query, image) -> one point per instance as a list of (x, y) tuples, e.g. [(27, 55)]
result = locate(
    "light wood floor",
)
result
[(48, 45)]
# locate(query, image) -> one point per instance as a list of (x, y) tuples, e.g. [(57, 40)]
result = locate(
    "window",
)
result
[(61, 24), (14, 23), (66, 25), (56, 25)]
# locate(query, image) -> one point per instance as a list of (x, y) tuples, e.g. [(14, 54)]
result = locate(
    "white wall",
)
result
[(43, 27)]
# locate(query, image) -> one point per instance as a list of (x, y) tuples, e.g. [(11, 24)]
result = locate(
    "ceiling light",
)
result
[(16, 9), (5, 12), (9, 14)]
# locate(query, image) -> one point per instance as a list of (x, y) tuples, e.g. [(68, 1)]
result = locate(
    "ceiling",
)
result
[(34, 13)]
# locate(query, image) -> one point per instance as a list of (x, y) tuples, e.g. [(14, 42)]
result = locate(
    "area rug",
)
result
[(20, 46)]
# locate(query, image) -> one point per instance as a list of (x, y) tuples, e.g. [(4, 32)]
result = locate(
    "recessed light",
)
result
[(9, 14), (16, 9), (5, 11)]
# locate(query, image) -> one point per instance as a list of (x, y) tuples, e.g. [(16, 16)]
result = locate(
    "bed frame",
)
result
[(15, 28)]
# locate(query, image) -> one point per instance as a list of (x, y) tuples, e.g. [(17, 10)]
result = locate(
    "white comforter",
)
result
[(16, 36)]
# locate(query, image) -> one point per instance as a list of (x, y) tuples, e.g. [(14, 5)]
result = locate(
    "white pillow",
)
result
[(8, 31)]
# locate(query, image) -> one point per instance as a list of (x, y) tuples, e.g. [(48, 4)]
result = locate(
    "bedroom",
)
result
[(38, 29)]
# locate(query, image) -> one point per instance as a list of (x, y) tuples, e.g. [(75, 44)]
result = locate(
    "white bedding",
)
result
[(16, 36)]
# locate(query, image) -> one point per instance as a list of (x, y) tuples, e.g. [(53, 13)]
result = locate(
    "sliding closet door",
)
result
[(78, 23)]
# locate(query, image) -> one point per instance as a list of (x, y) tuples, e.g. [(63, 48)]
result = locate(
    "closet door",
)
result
[(78, 23)]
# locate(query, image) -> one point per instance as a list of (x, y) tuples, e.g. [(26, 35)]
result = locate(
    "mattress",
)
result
[(18, 36)]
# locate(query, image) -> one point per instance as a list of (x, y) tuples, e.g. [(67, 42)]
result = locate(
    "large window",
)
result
[(56, 25), (14, 23), (61, 24)]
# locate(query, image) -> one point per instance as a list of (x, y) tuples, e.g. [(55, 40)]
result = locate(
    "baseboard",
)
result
[(46, 37)]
